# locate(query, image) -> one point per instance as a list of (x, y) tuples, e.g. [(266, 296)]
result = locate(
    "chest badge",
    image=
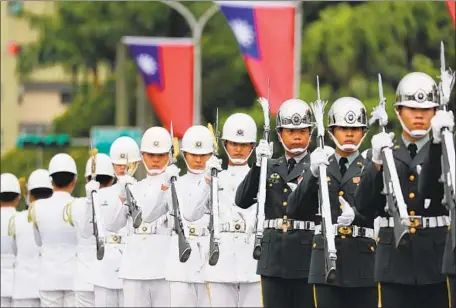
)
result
[(356, 179), (274, 178)]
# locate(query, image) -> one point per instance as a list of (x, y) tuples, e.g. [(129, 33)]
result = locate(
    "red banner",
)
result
[(166, 65), (265, 33), (451, 4)]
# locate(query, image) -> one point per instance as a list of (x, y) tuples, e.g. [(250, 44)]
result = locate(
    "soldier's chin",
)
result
[(238, 161), (297, 151), (418, 133), (349, 147)]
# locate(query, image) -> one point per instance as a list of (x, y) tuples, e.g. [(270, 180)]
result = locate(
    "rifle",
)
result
[(98, 229), (446, 84), (261, 196), (318, 108), (133, 209), (184, 247), (395, 204), (214, 224)]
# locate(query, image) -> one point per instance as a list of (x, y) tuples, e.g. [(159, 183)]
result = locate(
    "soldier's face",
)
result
[(155, 161), (416, 118), (348, 135), (119, 169), (197, 161), (295, 138), (238, 150)]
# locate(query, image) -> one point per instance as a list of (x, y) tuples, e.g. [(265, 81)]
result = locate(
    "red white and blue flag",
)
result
[(166, 65), (265, 31)]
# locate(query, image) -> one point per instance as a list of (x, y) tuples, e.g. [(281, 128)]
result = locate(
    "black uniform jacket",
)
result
[(355, 255), (420, 261), (430, 184), (285, 254)]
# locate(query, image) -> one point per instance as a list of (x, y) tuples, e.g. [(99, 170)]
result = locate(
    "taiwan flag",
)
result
[(166, 65), (265, 31), (451, 4)]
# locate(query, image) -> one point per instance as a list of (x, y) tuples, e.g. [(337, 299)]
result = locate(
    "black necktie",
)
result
[(342, 166), (412, 149), (291, 164)]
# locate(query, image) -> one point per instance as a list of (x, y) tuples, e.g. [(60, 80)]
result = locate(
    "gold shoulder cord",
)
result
[(67, 210), (31, 217), (12, 225)]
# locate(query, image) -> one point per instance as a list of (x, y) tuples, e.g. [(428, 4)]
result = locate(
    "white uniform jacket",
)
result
[(8, 251)]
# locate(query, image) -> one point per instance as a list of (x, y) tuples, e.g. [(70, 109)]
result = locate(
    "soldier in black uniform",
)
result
[(430, 183), (409, 276), (287, 238), (354, 285)]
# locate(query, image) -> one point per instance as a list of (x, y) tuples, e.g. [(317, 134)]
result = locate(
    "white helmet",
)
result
[(198, 140), (417, 90), (62, 162), (9, 183), (124, 150), (347, 112), (241, 128), (156, 140), (103, 166), (294, 113), (39, 178)]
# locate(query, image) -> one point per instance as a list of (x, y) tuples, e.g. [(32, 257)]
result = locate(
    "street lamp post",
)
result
[(197, 27)]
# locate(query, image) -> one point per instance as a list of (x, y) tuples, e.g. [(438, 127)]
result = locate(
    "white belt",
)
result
[(197, 231), (286, 224), (114, 239), (352, 231), (419, 222), (146, 228), (233, 227)]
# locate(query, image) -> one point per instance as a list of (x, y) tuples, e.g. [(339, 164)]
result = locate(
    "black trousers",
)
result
[(327, 296), (289, 293), (413, 296), (452, 289)]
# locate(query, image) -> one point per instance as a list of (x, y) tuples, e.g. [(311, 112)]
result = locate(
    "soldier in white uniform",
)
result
[(233, 281), (107, 285), (187, 284), (146, 250), (25, 289), (10, 194), (79, 214), (57, 239)]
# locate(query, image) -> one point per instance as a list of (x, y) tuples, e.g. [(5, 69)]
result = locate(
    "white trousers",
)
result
[(108, 297), (5, 301), (146, 293), (57, 299), (26, 302), (185, 294), (235, 294), (85, 298)]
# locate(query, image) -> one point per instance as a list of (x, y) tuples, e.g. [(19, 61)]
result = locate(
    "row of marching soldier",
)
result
[(296, 231)]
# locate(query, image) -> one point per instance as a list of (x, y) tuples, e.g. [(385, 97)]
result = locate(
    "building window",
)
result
[(66, 97), (34, 128)]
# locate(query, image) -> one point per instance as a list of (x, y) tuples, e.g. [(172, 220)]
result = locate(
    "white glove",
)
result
[(380, 141), (170, 172), (348, 215), (317, 158), (92, 186), (440, 120), (212, 162), (125, 180), (263, 149)]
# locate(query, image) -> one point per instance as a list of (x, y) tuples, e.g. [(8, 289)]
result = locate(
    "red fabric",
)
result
[(451, 4)]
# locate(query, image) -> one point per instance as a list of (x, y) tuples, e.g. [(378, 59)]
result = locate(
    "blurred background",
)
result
[(60, 76)]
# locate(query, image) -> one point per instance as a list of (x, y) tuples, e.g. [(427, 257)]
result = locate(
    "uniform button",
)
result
[(411, 195), (411, 177), (314, 245), (285, 190), (377, 239), (412, 213), (342, 237), (284, 203), (270, 185), (372, 248), (341, 193), (341, 207), (412, 230)]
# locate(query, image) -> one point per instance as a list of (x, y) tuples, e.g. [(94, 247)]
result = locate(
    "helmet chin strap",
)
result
[(296, 151), (237, 161), (347, 147), (416, 133), (153, 172)]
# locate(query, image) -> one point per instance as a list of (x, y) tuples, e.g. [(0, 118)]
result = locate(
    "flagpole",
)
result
[(197, 27), (297, 48)]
